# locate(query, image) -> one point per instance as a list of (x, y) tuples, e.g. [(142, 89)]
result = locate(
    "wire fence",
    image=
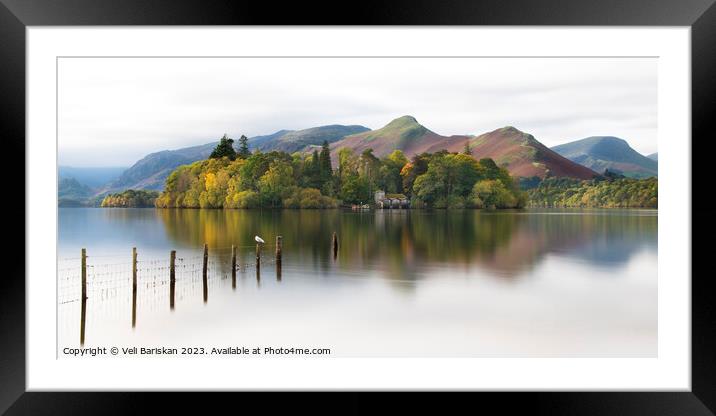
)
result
[(108, 277)]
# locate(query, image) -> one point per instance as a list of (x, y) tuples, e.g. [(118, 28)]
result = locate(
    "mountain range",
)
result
[(606, 152), (90, 176), (521, 153), (293, 141), (151, 171)]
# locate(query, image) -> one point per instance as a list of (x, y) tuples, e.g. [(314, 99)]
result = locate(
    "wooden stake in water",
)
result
[(206, 260), (83, 312), (335, 245), (279, 249), (84, 273), (204, 273), (134, 286), (172, 277), (134, 268), (258, 261), (233, 266)]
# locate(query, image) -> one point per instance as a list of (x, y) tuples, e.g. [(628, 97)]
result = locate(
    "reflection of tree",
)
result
[(400, 243)]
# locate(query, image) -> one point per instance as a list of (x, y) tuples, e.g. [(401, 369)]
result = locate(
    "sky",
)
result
[(114, 111)]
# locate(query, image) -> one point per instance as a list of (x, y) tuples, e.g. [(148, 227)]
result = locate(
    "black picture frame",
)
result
[(699, 15)]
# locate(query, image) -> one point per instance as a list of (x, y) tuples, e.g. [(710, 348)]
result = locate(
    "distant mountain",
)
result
[(523, 155), (259, 142), (92, 177), (152, 170), (654, 156), (71, 193), (70, 188), (606, 152), (519, 152), (404, 133), (293, 141)]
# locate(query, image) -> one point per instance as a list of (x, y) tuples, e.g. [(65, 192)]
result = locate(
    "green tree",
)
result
[(355, 190), (277, 183), (312, 171), (244, 152), (389, 178), (449, 175), (326, 170), (130, 199), (492, 193), (225, 148), (325, 162)]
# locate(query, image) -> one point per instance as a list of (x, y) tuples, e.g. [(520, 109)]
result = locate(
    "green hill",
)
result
[(519, 152), (293, 141), (606, 152)]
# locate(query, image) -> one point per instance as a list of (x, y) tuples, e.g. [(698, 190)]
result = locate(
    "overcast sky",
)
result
[(114, 111)]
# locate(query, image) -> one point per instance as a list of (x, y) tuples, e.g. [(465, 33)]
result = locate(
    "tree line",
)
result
[(130, 198), (607, 191), (241, 179)]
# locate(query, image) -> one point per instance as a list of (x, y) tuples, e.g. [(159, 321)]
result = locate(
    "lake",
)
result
[(414, 283)]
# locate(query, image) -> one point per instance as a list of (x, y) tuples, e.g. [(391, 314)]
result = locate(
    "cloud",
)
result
[(113, 111)]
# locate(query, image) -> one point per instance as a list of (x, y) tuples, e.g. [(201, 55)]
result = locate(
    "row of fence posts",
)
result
[(172, 276)]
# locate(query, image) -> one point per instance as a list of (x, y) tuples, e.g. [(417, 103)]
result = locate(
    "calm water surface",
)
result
[(532, 283)]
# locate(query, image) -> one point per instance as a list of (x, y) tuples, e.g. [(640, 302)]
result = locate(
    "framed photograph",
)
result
[(413, 197)]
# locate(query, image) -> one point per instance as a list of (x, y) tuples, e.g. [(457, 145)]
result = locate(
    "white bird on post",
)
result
[(259, 240)]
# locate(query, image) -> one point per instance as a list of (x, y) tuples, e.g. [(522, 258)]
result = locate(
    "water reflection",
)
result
[(559, 266), (400, 244)]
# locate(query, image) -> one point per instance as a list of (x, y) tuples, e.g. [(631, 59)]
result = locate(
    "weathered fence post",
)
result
[(172, 277), (206, 260), (134, 286), (134, 269), (84, 273), (204, 272), (83, 312), (258, 260), (279, 249), (335, 245), (233, 266), (172, 265)]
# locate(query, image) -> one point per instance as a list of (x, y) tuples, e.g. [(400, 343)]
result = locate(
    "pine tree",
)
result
[(325, 162), (244, 147), (316, 178), (225, 148), (467, 150)]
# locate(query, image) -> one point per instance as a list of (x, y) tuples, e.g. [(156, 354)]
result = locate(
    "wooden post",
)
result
[(134, 307), (83, 312), (134, 286), (204, 273), (206, 260), (84, 273), (258, 261), (134, 268), (172, 277), (172, 265), (335, 245), (233, 266), (279, 249)]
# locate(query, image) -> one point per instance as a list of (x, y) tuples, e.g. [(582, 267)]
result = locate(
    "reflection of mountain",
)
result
[(402, 244)]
